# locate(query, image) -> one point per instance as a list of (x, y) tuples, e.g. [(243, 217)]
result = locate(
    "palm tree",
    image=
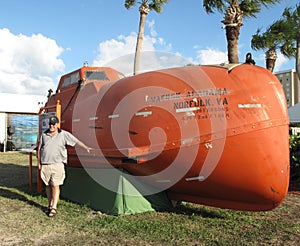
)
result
[(234, 11), (290, 24), (144, 9), (271, 40), (283, 34)]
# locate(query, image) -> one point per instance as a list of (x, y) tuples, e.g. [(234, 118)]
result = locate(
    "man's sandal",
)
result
[(52, 212)]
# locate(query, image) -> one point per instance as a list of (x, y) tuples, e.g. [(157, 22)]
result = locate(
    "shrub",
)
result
[(295, 155)]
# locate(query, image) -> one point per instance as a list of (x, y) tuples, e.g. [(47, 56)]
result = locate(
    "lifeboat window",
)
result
[(71, 79), (96, 75)]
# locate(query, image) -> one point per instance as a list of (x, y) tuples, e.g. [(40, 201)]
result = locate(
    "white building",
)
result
[(19, 120), (290, 83)]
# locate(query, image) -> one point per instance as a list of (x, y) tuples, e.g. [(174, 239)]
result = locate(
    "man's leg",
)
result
[(46, 177), (49, 195), (55, 195), (58, 176), (55, 190)]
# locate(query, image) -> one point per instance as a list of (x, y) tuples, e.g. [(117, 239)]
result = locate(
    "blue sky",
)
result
[(41, 40)]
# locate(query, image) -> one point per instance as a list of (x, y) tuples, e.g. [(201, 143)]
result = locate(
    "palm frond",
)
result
[(129, 3), (157, 5), (211, 5)]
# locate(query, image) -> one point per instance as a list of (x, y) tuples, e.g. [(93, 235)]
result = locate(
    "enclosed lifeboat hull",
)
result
[(206, 134)]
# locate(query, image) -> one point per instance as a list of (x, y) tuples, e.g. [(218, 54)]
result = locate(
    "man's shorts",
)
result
[(53, 174)]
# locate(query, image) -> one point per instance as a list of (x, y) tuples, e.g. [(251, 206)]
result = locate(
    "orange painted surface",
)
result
[(218, 136)]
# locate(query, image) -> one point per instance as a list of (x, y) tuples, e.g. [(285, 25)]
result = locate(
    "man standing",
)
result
[(52, 154)]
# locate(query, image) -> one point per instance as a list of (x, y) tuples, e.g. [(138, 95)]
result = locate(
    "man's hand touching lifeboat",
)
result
[(87, 148)]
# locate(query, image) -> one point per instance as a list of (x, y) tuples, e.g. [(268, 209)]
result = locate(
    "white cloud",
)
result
[(210, 56), (111, 49), (156, 53), (280, 62), (27, 63), (119, 53), (151, 25)]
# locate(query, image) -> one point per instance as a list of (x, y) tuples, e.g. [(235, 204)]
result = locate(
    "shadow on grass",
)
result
[(201, 211), (16, 177), (15, 195)]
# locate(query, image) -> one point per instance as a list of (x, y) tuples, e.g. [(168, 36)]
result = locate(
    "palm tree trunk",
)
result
[(270, 64), (232, 35), (139, 44), (271, 57)]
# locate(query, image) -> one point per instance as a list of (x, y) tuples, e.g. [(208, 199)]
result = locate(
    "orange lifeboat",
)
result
[(211, 135)]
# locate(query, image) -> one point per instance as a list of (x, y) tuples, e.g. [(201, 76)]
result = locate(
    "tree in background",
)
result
[(290, 25), (283, 34), (269, 40), (234, 11), (144, 9)]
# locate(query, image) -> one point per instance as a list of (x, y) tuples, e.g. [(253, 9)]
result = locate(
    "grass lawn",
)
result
[(23, 221)]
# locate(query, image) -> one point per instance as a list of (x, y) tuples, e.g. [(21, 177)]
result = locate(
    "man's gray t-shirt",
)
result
[(53, 149)]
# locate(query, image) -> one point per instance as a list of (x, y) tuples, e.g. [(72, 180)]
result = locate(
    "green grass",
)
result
[(23, 221)]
